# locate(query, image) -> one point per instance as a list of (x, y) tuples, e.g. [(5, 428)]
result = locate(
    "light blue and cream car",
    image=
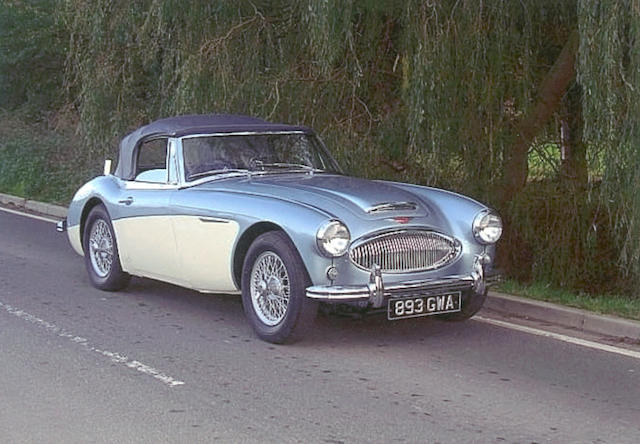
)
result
[(234, 204)]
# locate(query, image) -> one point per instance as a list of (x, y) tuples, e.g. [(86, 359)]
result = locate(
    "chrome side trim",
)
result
[(133, 185), (213, 220)]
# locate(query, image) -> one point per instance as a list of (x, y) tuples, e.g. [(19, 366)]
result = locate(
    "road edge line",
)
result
[(560, 337)]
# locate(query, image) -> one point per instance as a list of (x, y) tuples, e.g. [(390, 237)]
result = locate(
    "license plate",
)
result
[(400, 308)]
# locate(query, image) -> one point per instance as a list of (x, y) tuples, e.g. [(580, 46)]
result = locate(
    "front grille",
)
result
[(405, 251)]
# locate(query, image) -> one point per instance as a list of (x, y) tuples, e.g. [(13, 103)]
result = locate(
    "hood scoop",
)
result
[(385, 207)]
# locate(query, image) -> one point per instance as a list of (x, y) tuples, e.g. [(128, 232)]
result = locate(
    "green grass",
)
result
[(544, 161), (623, 306)]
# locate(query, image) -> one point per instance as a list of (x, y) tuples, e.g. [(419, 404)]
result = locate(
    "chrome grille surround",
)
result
[(405, 251)]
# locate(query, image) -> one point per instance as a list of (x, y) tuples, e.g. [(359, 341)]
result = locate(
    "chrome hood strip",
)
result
[(392, 206)]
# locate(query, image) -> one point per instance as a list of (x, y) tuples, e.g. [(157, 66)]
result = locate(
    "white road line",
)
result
[(560, 337), (32, 216), (115, 357)]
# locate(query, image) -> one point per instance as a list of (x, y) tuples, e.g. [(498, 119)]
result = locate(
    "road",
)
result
[(157, 363)]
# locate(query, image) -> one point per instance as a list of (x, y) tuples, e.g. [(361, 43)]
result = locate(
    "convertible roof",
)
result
[(179, 126)]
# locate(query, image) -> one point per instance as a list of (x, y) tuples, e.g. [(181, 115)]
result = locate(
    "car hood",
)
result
[(333, 194)]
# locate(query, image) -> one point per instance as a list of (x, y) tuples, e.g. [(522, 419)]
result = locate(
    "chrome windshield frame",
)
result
[(179, 154)]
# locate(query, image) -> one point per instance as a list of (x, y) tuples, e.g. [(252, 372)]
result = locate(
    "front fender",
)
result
[(102, 189), (255, 214)]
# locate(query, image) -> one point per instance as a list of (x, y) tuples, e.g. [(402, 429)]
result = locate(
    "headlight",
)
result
[(333, 238), (487, 227)]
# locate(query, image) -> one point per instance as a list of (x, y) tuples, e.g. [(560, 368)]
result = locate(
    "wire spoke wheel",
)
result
[(270, 288), (274, 281), (101, 256), (101, 248)]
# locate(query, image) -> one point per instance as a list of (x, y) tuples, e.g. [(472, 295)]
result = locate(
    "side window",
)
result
[(152, 161)]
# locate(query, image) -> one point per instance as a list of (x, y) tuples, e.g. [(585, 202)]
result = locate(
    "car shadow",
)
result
[(377, 328), (329, 328)]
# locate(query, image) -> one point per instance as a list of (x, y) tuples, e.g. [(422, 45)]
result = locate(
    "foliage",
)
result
[(35, 162), (561, 232), (32, 55), (610, 73)]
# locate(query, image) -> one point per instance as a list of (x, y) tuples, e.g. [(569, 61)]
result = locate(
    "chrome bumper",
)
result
[(376, 292), (61, 226)]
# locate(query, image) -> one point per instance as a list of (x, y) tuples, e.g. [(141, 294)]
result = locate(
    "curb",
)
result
[(581, 320), (33, 205), (578, 319)]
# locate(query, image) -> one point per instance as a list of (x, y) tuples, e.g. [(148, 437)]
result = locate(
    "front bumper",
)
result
[(375, 293)]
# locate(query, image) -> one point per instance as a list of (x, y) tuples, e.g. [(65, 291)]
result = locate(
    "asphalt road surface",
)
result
[(158, 363)]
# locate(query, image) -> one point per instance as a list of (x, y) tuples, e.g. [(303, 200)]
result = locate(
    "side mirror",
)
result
[(107, 167)]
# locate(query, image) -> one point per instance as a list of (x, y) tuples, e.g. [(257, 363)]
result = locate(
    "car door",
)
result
[(204, 234), (204, 250), (145, 231)]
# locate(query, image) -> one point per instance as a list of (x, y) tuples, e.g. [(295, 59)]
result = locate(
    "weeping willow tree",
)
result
[(32, 47), (528, 105), (609, 70), (473, 71), (133, 62)]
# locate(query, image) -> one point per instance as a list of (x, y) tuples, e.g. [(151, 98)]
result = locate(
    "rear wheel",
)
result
[(101, 257), (274, 281)]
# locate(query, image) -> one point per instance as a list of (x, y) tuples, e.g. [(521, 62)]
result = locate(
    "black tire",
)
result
[(471, 304), (102, 260), (274, 265)]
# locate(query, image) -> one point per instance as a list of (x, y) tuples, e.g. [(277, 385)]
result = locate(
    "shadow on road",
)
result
[(328, 329)]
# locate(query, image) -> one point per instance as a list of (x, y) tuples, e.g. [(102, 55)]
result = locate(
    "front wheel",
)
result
[(101, 257), (274, 281)]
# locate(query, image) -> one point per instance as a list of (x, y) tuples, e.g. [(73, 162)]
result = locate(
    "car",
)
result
[(237, 205)]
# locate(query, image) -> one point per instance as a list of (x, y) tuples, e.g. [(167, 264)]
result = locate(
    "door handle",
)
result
[(127, 201)]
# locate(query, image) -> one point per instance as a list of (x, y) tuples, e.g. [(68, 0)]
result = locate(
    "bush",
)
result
[(39, 163), (559, 234)]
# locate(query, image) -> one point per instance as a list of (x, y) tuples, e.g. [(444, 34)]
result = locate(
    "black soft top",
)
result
[(179, 126)]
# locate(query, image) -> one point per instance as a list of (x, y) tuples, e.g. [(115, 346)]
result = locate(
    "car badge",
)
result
[(402, 219)]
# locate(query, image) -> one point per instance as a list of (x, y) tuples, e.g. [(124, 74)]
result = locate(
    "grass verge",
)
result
[(623, 306)]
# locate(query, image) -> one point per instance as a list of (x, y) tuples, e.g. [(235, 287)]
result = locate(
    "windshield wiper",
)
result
[(283, 165), (217, 172)]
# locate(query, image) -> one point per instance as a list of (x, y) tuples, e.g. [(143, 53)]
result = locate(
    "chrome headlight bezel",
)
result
[(487, 227), (333, 239)]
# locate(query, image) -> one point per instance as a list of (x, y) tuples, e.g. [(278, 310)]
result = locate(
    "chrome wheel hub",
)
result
[(101, 248), (270, 288)]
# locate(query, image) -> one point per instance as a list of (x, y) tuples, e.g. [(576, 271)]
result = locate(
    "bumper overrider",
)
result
[(375, 293)]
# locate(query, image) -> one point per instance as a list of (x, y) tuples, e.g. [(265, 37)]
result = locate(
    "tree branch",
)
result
[(553, 87)]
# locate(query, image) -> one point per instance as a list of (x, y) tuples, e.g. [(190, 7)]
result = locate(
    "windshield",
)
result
[(254, 153)]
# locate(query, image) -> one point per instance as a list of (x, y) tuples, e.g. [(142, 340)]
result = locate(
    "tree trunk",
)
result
[(574, 165), (556, 82)]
